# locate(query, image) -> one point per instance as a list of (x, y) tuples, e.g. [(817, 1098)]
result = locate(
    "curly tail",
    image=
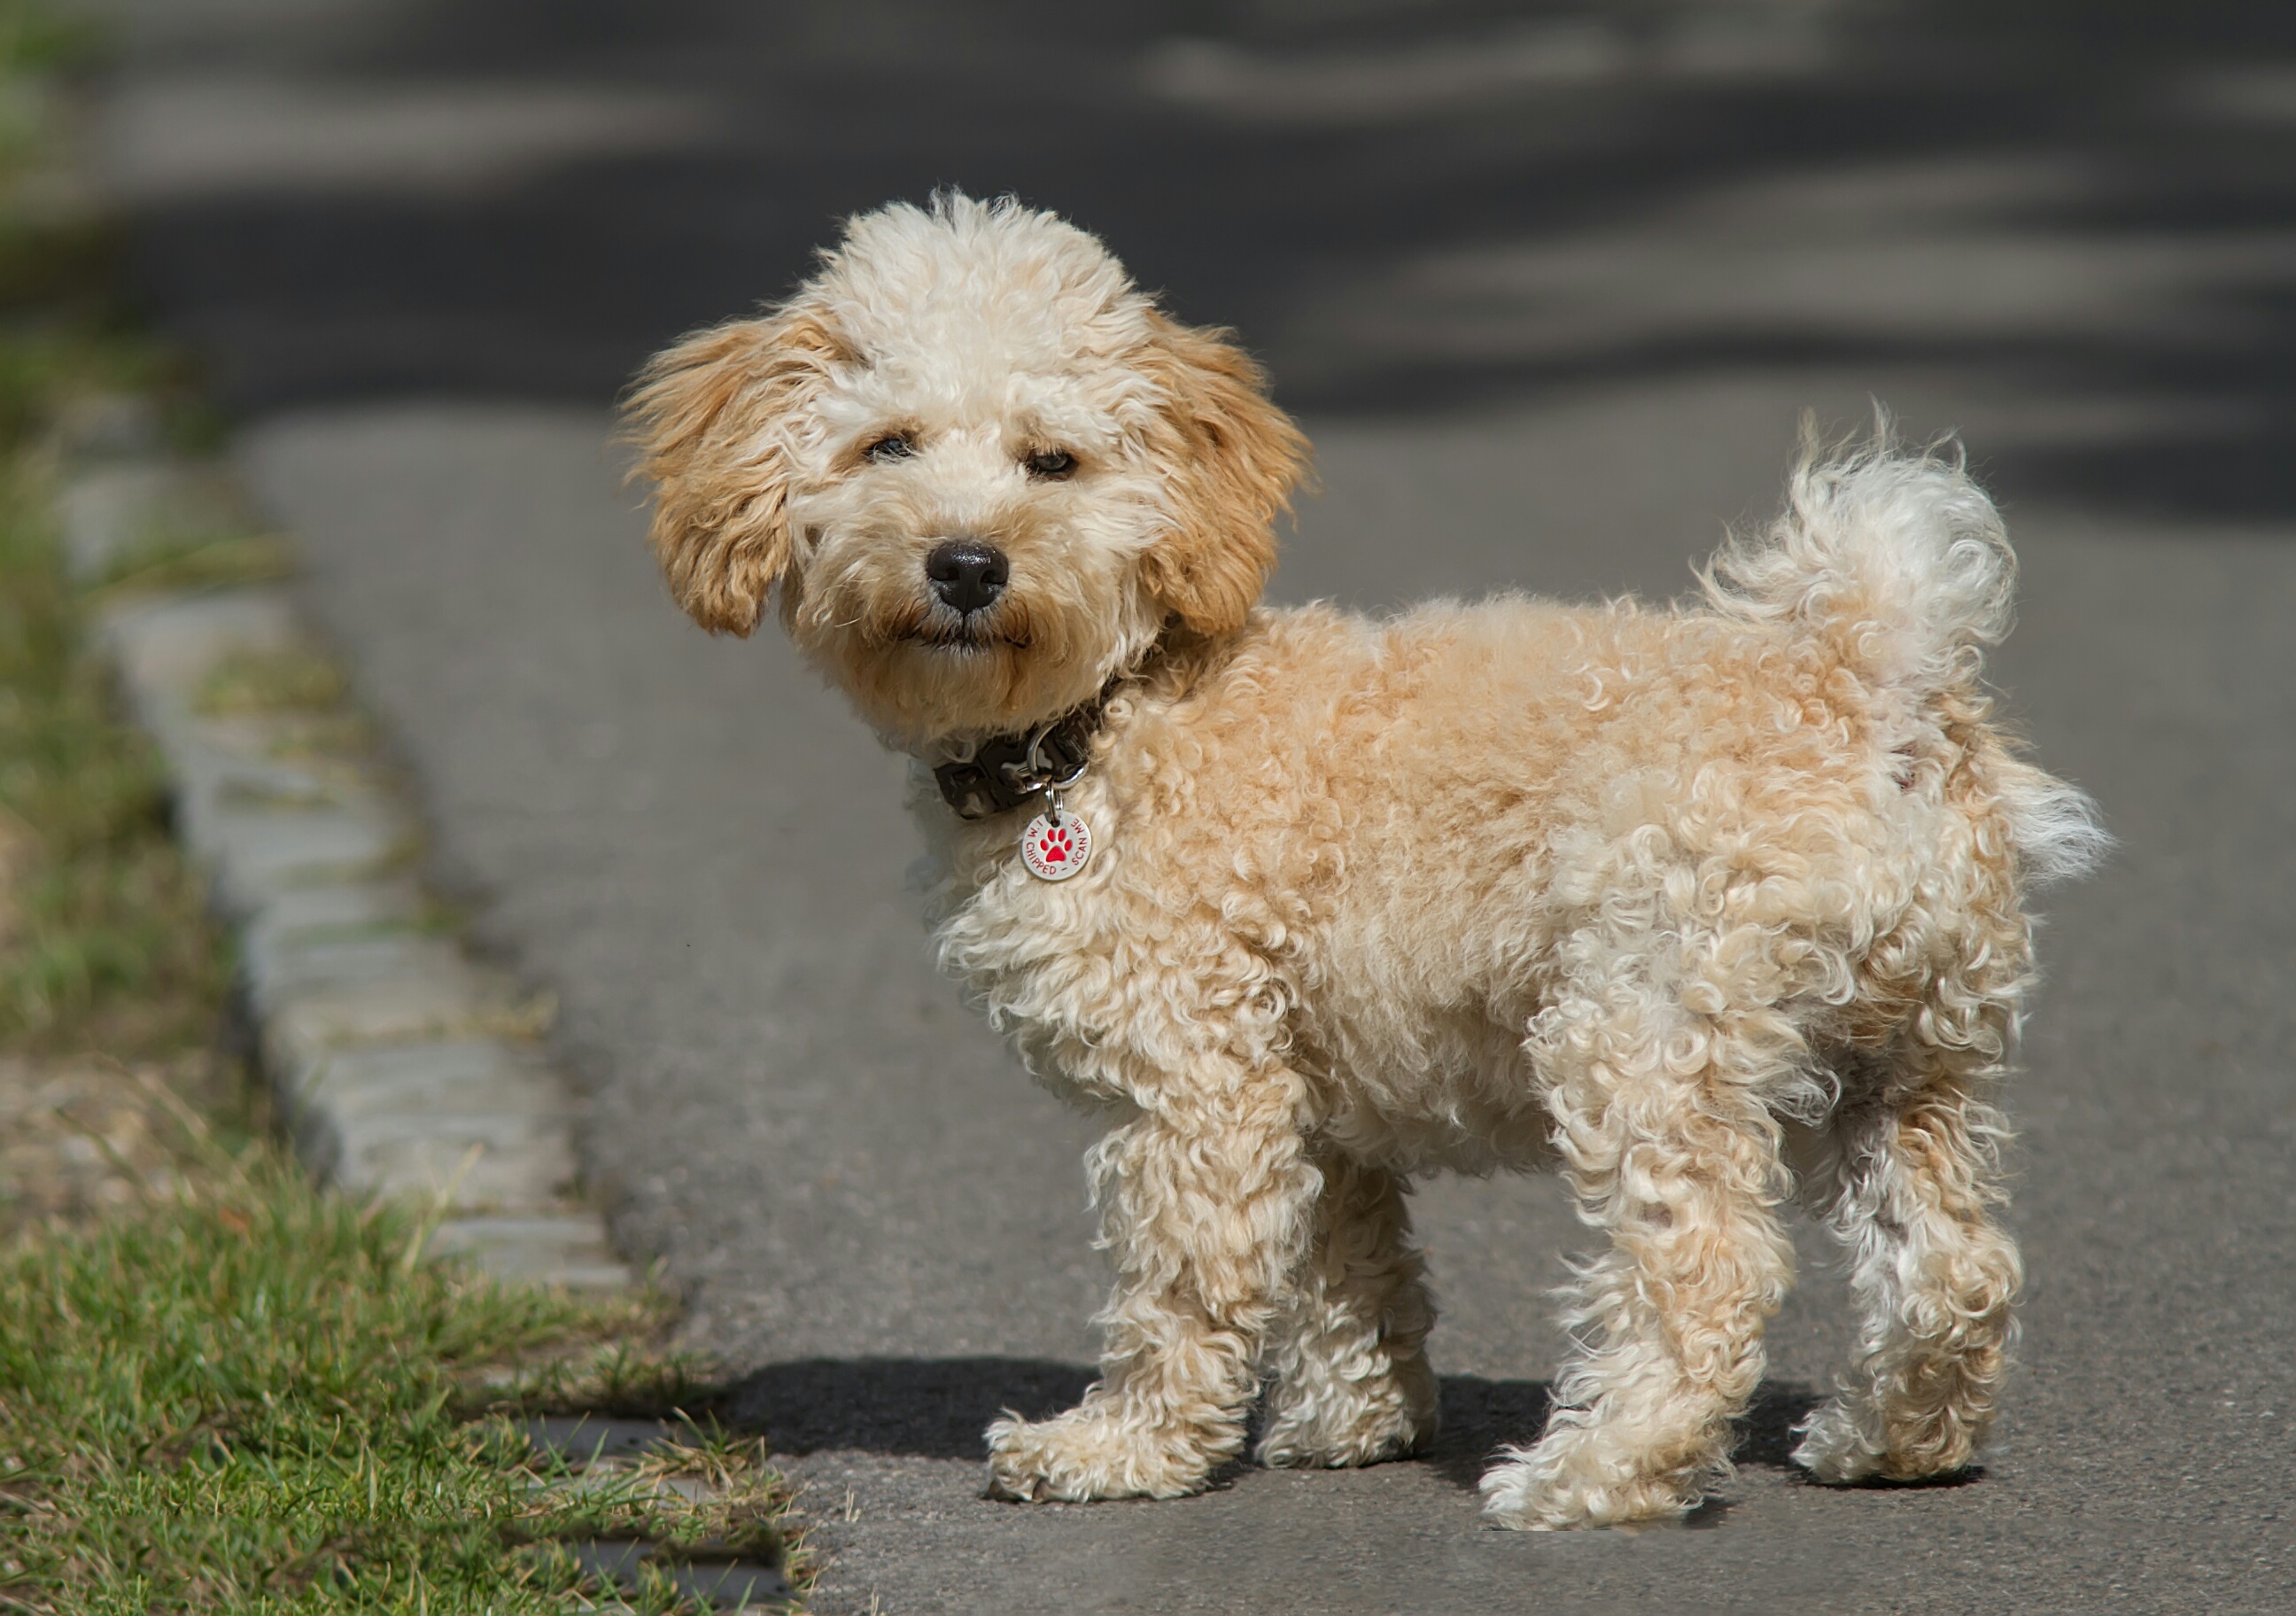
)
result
[(1897, 562)]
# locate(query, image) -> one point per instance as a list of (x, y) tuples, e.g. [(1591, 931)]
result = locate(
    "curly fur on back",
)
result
[(1707, 908)]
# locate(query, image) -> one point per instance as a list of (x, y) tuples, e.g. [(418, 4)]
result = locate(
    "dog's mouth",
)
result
[(963, 639), (930, 626), (938, 629)]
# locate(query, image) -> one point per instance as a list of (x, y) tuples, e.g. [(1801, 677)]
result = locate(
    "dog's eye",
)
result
[(894, 446), (1050, 463)]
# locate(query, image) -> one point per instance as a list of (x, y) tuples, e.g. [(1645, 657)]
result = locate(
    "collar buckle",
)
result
[(1009, 770)]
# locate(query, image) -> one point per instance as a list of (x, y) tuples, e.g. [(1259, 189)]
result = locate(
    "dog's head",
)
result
[(982, 470)]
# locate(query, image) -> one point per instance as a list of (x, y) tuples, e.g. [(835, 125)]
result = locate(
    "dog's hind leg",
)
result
[(1351, 1382), (1910, 1197), (1667, 1137)]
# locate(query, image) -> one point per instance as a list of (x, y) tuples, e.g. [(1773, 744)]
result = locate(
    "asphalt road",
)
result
[(1549, 289)]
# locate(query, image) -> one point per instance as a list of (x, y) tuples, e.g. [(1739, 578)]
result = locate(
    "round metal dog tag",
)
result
[(1054, 852)]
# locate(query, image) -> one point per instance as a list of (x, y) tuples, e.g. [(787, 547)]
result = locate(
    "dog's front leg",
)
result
[(1208, 1200)]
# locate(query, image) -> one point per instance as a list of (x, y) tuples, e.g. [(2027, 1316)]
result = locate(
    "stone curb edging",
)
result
[(401, 1067)]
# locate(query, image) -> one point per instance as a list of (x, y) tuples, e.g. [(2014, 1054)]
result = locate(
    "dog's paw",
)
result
[(1372, 1441), (1839, 1447), (1090, 1453), (1347, 1423), (1836, 1448), (1571, 1479)]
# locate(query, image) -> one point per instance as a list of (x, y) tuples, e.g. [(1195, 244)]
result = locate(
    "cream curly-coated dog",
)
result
[(1708, 907)]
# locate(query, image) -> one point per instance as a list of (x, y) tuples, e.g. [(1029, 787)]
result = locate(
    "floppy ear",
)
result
[(1233, 460), (709, 415)]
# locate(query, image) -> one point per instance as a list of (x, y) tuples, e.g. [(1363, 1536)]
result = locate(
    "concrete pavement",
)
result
[(1551, 323)]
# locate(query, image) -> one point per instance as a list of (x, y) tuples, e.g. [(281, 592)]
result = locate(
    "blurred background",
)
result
[(1550, 285), (1403, 205)]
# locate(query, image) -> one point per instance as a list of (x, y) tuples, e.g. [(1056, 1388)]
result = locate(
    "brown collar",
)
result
[(1006, 771)]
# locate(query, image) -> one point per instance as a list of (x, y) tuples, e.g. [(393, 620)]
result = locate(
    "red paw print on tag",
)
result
[(1056, 850)]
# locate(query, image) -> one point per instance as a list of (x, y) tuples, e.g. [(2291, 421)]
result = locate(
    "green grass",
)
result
[(100, 942), (107, 945), (256, 1397)]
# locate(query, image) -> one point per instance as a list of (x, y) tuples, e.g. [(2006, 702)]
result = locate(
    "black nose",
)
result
[(967, 573)]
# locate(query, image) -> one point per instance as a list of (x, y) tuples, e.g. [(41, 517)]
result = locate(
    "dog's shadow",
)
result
[(920, 1408), (937, 1409), (1480, 1418)]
